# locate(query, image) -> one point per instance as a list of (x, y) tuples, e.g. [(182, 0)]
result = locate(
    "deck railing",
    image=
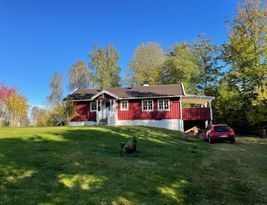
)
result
[(202, 113)]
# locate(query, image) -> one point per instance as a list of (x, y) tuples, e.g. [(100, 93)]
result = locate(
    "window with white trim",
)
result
[(124, 105), (147, 105), (163, 104), (93, 106)]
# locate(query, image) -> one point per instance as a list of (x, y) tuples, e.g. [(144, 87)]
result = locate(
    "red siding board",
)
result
[(83, 112), (196, 113), (134, 111)]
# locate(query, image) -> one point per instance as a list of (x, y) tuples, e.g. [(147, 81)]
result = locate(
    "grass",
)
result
[(67, 165)]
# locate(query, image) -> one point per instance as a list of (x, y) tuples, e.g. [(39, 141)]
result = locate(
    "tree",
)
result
[(104, 65), (228, 106), (181, 66), (67, 111), (17, 109), (208, 55), (79, 76), (13, 107), (146, 64), (5, 94), (40, 117), (246, 53), (55, 86), (258, 110)]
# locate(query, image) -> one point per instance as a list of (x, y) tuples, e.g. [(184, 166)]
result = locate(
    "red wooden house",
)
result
[(159, 106)]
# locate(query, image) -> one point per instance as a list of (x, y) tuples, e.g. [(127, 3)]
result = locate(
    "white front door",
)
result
[(105, 108)]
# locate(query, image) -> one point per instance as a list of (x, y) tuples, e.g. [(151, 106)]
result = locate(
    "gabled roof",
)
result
[(135, 92)]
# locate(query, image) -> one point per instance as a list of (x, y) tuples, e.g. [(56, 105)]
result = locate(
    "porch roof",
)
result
[(196, 99)]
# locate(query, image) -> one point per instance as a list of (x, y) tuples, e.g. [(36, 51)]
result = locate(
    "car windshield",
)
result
[(222, 128)]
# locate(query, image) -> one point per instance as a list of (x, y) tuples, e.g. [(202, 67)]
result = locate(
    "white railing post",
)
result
[(181, 116)]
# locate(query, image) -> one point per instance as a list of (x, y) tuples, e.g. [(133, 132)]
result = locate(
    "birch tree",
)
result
[(79, 76), (105, 67), (146, 64)]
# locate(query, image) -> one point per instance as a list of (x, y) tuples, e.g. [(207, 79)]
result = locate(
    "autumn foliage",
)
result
[(13, 107)]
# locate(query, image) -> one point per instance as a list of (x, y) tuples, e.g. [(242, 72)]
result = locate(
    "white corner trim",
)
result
[(169, 103), (183, 88), (104, 92), (147, 106), (124, 109)]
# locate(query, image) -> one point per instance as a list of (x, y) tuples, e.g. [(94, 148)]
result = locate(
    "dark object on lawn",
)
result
[(262, 133), (130, 147)]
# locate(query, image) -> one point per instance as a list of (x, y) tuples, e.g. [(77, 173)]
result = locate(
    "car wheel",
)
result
[(232, 141)]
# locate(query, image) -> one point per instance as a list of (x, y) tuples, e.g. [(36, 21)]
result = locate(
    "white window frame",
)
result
[(91, 110), (164, 105), (147, 106), (127, 104)]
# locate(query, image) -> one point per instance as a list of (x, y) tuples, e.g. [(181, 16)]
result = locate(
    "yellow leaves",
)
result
[(17, 105)]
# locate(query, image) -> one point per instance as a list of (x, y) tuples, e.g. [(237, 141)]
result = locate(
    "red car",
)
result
[(219, 132)]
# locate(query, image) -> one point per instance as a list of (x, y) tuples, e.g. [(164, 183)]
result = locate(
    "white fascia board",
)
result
[(199, 96), (183, 88), (73, 91)]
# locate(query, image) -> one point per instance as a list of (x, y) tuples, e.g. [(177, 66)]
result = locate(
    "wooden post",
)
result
[(211, 114), (181, 116)]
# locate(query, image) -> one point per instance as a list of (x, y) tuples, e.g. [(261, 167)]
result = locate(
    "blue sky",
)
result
[(38, 38)]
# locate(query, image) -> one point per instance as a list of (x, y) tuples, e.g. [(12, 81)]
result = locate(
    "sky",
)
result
[(39, 38)]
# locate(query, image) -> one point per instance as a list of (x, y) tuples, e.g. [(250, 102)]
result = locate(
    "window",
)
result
[(147, 105), (93, 106), (222, 128), (124, 105), (164, 104)]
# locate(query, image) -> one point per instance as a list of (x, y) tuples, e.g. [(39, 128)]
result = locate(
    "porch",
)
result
[(106, 112), (196, 111)]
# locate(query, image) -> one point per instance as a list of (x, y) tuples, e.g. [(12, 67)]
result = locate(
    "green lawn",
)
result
[(67, 165)]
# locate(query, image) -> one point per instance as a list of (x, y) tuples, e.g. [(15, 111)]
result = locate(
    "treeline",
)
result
[(235, 72)]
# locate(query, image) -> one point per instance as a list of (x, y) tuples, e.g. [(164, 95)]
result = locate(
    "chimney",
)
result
[(146, 83)]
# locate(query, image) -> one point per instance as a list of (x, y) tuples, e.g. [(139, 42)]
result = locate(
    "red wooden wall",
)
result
[(202, 113), (83, 112), (134, 111)]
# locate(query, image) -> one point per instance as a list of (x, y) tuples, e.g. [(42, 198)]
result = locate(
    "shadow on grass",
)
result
[(83, 166)]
